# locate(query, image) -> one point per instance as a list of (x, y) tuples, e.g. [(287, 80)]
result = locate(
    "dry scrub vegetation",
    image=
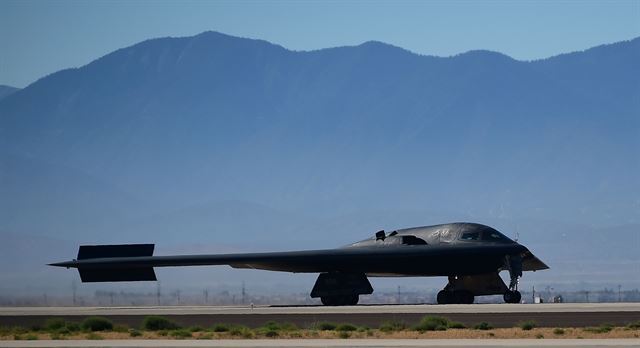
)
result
[(155, 327)]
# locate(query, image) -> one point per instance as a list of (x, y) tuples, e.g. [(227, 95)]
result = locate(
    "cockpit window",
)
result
[(492, 236), (413, 240), (470, 236)]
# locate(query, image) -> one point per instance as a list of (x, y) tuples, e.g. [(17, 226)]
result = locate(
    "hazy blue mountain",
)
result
[(244, 144), (6, 90)]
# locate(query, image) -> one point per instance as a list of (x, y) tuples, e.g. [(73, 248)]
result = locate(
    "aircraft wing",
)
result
[(531, 263), (135, 262), (101, 263)]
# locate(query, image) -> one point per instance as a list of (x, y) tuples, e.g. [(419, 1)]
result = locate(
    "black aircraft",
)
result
[(470, 255)]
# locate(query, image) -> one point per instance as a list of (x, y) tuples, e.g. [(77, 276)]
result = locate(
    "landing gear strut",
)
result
[(514, 264)]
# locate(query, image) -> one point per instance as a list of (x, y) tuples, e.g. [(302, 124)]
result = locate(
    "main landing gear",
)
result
[(341, 289), (463, 289), (348, 300), (458, 296)]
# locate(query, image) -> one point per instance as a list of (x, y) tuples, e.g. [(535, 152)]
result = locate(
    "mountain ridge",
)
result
[(154, 140)]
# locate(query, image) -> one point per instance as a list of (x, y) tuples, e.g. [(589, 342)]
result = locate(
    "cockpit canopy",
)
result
[(438, 234), (487, 234)]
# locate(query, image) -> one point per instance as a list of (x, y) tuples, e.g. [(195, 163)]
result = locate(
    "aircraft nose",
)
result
[(66, 264)]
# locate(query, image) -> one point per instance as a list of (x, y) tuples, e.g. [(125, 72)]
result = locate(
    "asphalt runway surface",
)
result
[(564, 343), (499, 315)]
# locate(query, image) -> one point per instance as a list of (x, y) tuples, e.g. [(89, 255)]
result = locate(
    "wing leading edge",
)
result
[(107, 263)]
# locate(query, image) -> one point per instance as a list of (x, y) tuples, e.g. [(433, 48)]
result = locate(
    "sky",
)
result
[(41, 37)]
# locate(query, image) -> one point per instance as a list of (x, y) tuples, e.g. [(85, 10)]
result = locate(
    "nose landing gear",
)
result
[(512, 296), (514, 265)]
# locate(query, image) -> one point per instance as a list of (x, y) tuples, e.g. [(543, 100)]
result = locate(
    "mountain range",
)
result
[(239, 144)]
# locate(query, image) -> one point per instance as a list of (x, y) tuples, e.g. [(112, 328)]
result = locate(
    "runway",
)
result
[(499, 315), (337, 343)]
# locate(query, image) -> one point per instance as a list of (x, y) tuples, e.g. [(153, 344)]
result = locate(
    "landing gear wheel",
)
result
[(444, 297), (512, 296), (352, 300), (349, 300), (463, 297)]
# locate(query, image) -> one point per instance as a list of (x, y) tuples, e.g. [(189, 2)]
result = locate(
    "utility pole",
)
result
[(619, 293), (398, 301), (74, 288), (533, 294), (206, 296), (158, 294), (587, 295), (244, 293)]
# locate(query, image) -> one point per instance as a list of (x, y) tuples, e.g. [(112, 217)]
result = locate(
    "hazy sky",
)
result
[(41, 37)]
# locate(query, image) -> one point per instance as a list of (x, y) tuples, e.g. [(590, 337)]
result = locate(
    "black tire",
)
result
[(349, 300), (461, 297), (444, 297), (465, 297), (329, 301), (512, 297)]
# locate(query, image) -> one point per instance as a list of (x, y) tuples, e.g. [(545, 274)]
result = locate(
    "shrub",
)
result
[(156, 323), (271, 325), (220, 328), (97, 324), (196, 329), (456, 325), (392, 325), (93, 336), (483, 326), (558, 331), (325, 326), (604, 328), (206, 336), (120, 328), (4, 331), (54, 324), (432, 324), (55, 336), (527, 325), (539, 336), (240, 330), (180, 333), (344, 334), (63, 331), (134, 333), (288, 327), (271, 333), (31, 337), (18, 330), (364, 329), (634, 325), (73, 327), (346, 327)]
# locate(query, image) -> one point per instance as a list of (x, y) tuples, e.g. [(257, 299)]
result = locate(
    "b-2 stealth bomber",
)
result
[(470, 255)]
